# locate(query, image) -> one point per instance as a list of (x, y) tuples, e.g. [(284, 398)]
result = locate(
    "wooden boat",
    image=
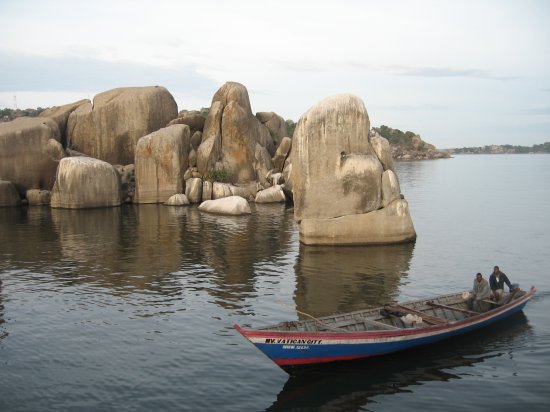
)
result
[(378, 331)]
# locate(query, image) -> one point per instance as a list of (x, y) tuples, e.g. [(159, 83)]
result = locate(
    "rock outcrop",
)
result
[(232, 205), (390, 188), (262, 164), (193, 189), (382, 149), (29, 153), (272, 194), (8, 194), (127, 181), (110, 128), (194, 120), (408, 145), (37, 197), (221, 190), (337, 179), (208, 151), (178, 199), (275, 124), (230, 135), (238, 146), (282, 154), (60, 115), (391, 224), (160, 162), (85, 182)]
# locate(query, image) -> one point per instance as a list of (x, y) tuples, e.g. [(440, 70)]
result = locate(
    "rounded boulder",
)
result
[(85, 182), (232, 205)]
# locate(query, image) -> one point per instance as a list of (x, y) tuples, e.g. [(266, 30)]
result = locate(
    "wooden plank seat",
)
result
[(464, 311), (353, 321)]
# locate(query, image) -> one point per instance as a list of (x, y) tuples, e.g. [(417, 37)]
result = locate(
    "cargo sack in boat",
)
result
[(411, 320)]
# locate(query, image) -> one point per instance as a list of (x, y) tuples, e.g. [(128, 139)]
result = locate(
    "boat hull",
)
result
[(300, 348)]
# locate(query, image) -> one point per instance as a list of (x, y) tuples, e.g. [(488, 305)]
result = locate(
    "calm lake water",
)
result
[(131, 308)]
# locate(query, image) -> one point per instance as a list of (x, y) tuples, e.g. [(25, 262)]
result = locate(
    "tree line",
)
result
[(504, 149), (7, 115)]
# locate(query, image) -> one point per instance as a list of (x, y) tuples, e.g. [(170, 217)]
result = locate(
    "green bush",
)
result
[(290, 127), (222, 176)]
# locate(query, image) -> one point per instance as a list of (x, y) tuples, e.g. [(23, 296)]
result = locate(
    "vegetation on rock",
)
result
[(221, 176), (408, 145), (290, 127)]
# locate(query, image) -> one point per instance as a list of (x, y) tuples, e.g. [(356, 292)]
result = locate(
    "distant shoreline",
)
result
[(501, 149)]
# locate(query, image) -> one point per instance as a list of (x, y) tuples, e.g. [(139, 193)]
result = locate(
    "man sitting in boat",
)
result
[(497, 281), (480, 292)]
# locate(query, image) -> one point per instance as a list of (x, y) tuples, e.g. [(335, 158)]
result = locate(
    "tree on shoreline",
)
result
[(7, 114), (503, 149)]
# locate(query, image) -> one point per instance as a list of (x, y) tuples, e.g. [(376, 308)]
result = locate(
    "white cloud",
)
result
[(472, 62)]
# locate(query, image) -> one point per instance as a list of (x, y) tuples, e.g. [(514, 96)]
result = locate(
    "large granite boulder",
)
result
[(221, 190), (272, 194), (60, 115), (232, 205), (30, 153), (283, 150), (275, 124), (245, 190), (179, 199), (333, 159), (194, 120), (196, 139), (390, 188), (208, 151), (287, 177), (262, 164), (160, 162), (8, 194), (238, 143), (85, 182), (392, 224), (263, 137), (382, 149), (230, 135), (233, 92), (337, 179), (110, 128), (193, 189), (207, 188)]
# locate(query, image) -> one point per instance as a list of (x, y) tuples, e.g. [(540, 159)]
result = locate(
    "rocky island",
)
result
[(131, 145)]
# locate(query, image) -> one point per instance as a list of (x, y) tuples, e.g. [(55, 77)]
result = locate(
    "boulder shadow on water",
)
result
[(226, 251), (343, 279), (128, 248)]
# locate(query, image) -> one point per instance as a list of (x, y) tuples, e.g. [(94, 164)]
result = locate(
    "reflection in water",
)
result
[(349, 386), (342, 279), (233, 248), (3, 332), (126, 247), (149, 247)]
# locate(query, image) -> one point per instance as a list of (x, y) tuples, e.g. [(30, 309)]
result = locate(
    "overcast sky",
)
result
[(459, 73)]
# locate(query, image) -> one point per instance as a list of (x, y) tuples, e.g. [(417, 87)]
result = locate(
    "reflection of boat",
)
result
[(351, 386), (377, 331)]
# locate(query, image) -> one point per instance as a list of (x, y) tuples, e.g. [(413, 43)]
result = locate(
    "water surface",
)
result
[(131, 308)]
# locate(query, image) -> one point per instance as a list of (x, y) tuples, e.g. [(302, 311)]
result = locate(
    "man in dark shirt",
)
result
[(497, 281)]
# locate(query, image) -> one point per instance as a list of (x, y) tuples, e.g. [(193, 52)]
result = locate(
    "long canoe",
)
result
[(378, 331)]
